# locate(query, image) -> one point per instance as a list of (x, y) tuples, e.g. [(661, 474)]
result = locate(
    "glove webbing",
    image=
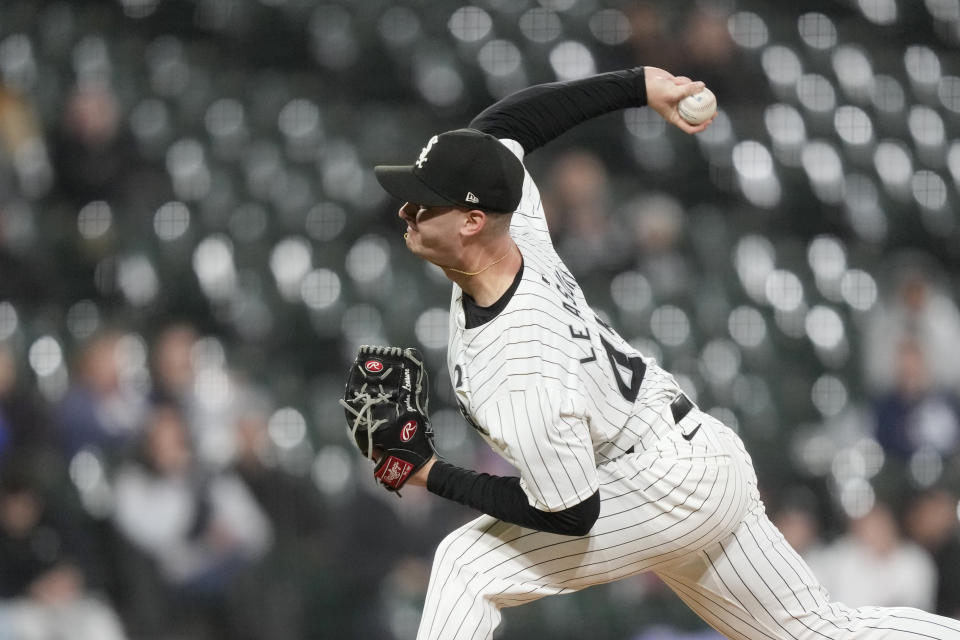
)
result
[(362, 417)]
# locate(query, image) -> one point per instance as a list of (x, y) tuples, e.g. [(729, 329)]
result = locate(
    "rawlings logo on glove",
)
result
[(408, 431), (385, 402), (393, 472)]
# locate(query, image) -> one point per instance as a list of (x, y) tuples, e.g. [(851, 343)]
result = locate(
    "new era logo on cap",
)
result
[(461, 168)]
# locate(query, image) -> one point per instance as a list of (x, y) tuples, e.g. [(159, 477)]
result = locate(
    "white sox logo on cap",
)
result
[(460, 168), (423, 152)]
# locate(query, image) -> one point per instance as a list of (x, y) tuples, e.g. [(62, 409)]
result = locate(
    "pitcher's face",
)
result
[(432, 232)]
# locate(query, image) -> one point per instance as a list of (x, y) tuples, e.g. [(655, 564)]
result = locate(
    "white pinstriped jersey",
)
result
[(550, 386), (555, 392)]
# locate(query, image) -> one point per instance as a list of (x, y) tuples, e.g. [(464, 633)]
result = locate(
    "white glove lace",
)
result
[(362, 418)]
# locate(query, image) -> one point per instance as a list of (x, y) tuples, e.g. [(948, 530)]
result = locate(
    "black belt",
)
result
[(679, 409)]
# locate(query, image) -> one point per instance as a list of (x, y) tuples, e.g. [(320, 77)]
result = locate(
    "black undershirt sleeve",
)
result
[(503, 498), (538, 114)]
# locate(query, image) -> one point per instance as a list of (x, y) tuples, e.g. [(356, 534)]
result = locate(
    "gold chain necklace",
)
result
[(472, 273), (476, 273)]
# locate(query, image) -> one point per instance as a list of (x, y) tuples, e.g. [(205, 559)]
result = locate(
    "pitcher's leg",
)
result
[(653, 511), (754, 585), (480, 568)]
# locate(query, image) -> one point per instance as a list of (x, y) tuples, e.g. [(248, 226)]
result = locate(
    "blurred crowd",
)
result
[(192, 246)]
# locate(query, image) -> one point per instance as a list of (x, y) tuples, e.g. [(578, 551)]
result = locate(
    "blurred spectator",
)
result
[(577, 200), (292, 502), (915, 415), (93, 153), (24, 423), (24, 167), (98, 411), (173, 371), (873, 565), (43, 584), (24, 175), (202, 529), (296, 510), (921, 312), (706, 43), (202, 387), (796, 518), (657, 221), (13, 124), (652, 37), (931, 521)]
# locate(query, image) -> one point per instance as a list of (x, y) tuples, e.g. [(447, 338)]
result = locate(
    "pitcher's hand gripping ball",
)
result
[(699, 107), (385, 402)]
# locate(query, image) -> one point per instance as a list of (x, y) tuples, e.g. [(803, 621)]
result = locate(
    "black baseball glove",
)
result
[(386, 401)]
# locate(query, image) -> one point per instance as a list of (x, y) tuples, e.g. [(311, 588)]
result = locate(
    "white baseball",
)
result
[(699, 107)]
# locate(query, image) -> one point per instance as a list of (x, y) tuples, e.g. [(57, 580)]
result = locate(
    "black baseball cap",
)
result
[(461, 168)]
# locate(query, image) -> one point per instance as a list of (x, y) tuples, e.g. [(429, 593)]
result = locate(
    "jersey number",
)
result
[(634, 364)]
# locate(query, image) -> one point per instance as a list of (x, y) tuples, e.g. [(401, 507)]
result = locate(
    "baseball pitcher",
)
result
[(618, 471)]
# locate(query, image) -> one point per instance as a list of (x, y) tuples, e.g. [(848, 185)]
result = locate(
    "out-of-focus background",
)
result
[(193, 245)]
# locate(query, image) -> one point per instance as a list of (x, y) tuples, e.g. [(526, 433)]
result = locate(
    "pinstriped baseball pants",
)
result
[(690, 512)]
